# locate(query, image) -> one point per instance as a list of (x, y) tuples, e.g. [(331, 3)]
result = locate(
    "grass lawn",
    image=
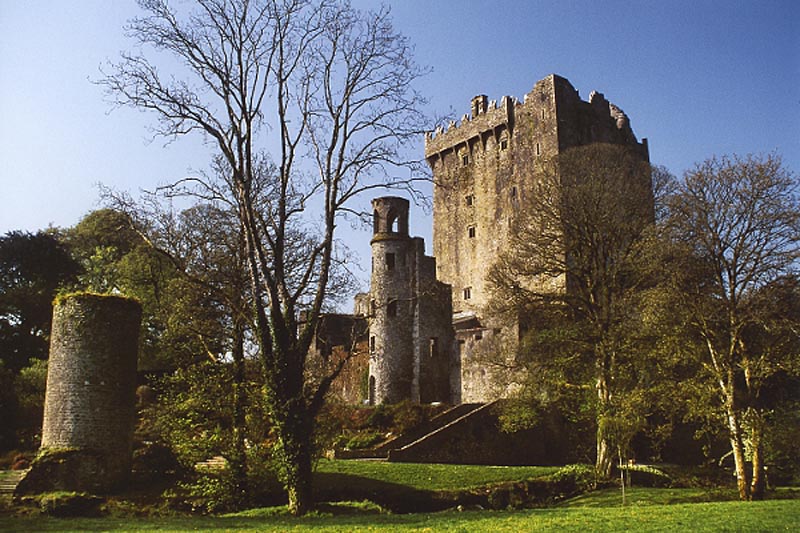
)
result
[(420, 476), (771, 515), (646, 509)]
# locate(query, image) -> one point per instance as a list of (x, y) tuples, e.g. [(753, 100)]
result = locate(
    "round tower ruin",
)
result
[(391, 306), (90, 398)]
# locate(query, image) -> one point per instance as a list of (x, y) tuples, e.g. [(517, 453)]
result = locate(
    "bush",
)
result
[(381, 418), (155, 458), (363, 440), (70, 504), (579, 478)]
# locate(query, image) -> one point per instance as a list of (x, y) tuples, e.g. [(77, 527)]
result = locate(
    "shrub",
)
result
[(381, 418), (70, 504), (363, 440), (574, 478), (155, 458)]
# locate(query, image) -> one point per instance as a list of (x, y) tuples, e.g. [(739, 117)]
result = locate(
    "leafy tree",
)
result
[(32, 268), (569, 271), (733, 231), (334, 87)]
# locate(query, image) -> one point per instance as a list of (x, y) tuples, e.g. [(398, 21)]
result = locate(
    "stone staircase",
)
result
[(9, 479), (406, 440), (407, 451), (214, 464)]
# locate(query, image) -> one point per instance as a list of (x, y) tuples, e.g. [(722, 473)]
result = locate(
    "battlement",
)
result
[(553, 91), (485, 117)]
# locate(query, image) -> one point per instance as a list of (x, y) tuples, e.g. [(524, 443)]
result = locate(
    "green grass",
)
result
[(420, 476), (772, 515)]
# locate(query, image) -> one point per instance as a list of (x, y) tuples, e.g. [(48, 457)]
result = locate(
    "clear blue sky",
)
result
[(697, 78)]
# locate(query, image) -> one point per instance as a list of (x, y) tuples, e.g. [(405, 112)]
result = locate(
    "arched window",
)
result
[(376, 222), (391, 222)]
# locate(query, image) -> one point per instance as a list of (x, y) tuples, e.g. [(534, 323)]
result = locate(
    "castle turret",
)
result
[(391, 370)]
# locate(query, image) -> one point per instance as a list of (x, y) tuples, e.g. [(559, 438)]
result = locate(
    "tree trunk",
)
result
[(297, 454), (759, 483), (604, 458), (238, 461), (737, 443)]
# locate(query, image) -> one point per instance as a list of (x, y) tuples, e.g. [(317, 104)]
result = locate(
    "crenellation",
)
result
[(513, 140), (486, 119)]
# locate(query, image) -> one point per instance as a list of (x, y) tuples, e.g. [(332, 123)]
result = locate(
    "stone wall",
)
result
[(484, 168), (339, 337), (478, 439), (91, 382), (410, 332)]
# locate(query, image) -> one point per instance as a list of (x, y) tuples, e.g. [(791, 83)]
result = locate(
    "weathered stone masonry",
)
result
[(89, 406), (483, 168), (410, 334)]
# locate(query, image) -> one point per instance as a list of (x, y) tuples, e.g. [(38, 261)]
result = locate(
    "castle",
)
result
[(426, 315)]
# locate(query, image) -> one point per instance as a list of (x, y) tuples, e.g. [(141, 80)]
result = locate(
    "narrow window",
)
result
[(470, 199), (373, 307), (538, 150), (389, 261), (372, 344), (478, 336), (514, 192), (433, 347), (503, 143), (391, 308), (471, 232), (467, 293), (464, 160)]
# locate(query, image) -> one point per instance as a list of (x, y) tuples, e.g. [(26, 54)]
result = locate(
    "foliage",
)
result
[(732, 239), (70, 504), (116, 259), (29, 389), (363, 440), (194, 412), (33, 268), (568, 276), (782, 443), (583, 477)]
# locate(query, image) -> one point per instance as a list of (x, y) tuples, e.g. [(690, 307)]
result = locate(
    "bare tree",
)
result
[(324, 89), (739, 219), (571, 254)]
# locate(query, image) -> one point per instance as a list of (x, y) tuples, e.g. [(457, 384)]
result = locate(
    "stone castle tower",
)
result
[(428, 324), (90, 407), (483, 168), (410, 333)]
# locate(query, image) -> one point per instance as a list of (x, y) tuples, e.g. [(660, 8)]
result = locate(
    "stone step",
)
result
[(10, 479), (214, 463), (383, 451)]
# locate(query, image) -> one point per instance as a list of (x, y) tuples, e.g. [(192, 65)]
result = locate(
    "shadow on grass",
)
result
[(335, 487)]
